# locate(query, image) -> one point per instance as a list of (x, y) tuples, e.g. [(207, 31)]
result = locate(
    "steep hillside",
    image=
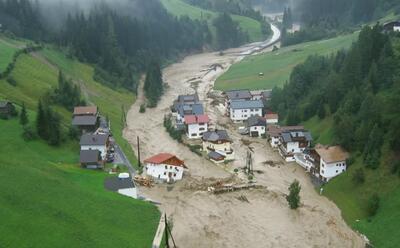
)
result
[(44, 190), (180, 8), (277, 65)]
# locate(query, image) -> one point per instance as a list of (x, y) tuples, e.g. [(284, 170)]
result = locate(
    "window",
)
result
[(202, 129), (343, 170), (166, 167), (337, 171), (322, 172), (194, 134), (170, 167), (165, 173), (174, 174)]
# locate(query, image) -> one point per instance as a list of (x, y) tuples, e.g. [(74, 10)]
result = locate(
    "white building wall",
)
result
[(272, 121), (259, 129), (396, 28), (195, 131), (274, 141), (161, 171), (238, 115), (102, 149), (222, 148), (293, 147), (331, 170)]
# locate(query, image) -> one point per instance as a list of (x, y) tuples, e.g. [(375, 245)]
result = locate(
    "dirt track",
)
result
[(201, 219)]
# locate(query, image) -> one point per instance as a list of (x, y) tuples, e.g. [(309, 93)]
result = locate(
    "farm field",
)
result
[(277, 65), (180, 8)]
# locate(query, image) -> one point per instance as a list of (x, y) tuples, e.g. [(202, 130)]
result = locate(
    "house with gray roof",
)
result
[(256, 126), (86, 118), (98, 142), (294, 142), (7, 109), (242, 110), (218, 142), (90, 159)]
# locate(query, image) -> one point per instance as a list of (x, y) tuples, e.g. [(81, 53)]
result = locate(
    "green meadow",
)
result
[(277, 66), (180, 8)]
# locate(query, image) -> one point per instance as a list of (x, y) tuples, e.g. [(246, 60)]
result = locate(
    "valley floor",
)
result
[(201, 219)]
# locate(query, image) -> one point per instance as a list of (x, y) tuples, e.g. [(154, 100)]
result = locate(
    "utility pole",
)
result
[(138, 150)]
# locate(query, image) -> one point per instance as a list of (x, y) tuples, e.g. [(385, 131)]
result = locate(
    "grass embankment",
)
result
[(45, 197), (111, 102), (180, 8), (277, 65), (46, 200), (7, 52)]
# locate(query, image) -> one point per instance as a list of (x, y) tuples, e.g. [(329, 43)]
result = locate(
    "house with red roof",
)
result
[(196, 125), (272, 118), (165, 166)]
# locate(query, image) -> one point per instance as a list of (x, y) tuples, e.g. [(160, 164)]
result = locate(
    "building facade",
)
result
[(165, 167)]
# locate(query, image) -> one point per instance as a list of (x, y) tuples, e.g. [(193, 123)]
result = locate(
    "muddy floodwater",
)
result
[(249, 218)]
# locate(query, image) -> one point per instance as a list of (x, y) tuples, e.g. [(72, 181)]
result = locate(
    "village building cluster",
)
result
[(96, 142)]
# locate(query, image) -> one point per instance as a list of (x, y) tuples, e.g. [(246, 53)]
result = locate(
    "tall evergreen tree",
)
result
[(23, 117), (294, 195), (41, 122)]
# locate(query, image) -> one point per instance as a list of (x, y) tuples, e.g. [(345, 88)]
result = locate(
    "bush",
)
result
[(11, 81), (28, 133), (373, 205), (175, 134), (196, 149), (73, 133), (359, 176), (4, 116), (250, 177), (395, 167), (294, 195), (236, 170), (142, 108)]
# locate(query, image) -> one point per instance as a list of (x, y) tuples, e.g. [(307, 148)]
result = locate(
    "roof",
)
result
[(251, 104), (218, 135), (93, 139), (85, 110), (215, 156), (331, 154), (272, 116), (89, 156), (188, 98), (194, 109), (238, 94), (273, 130), (255, 121), (165, 158), (267, 93), (193, 119), (288, 136), (84, 120), (115, 183), (3, 104), (292, 128)]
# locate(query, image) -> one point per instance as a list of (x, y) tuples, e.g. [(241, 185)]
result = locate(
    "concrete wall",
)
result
[(161, 171), (195, 131), (331, 170)]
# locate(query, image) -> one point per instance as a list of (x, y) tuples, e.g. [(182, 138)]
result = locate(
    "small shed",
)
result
[(7, 108)]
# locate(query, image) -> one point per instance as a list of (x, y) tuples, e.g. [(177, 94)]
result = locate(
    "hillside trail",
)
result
[(201, 219)]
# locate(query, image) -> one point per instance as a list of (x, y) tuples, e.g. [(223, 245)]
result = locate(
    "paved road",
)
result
[(120, 158)]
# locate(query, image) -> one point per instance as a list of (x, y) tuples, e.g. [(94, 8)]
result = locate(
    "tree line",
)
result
[(121, 46), (326, 19), (359, 88)]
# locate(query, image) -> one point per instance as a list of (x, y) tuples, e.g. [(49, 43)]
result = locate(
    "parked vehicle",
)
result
[(243, 130)]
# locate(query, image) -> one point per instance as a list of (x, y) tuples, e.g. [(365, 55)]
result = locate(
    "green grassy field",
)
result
[(321, 130), (44, 190), (277, 65), (7, 52), (111, 102), (180, 8), (46, 200)]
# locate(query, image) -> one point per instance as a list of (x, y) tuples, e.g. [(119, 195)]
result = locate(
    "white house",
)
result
[(186, 109), (396, 28), (256, 126), (292, 142), (196, 125), (236, 95), (274, 133), (272, 118), (242, 110), (165, 166), (98, 142), (218, 146), (332, 161)]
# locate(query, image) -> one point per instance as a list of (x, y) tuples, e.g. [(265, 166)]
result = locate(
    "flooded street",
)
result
[(202, 219)]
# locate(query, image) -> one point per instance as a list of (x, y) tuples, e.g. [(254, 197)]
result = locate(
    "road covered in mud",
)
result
[(251, 218)]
